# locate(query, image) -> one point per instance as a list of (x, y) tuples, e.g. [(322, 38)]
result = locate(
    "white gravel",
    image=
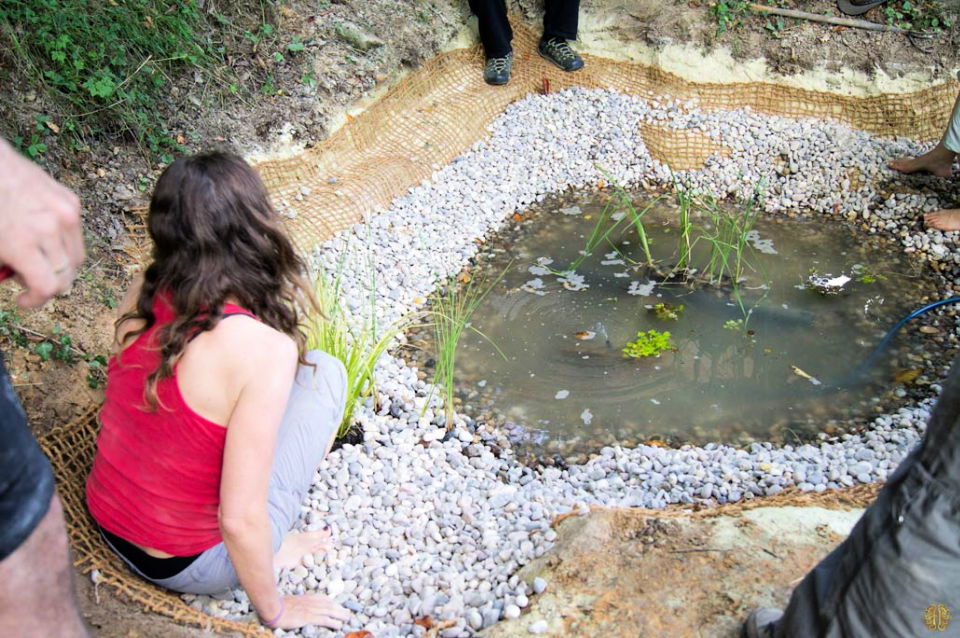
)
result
[(434, 524)]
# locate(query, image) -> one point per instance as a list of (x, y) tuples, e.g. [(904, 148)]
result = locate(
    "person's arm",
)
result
[(40, 233), (270, 362)]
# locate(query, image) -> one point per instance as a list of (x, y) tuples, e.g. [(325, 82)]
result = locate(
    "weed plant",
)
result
[(451, 309), (106, 59), (358, 349), (651, 343), (108, 66)]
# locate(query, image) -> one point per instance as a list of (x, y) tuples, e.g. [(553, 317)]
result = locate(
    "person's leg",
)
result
[(36, 586), (902, 557), (560, 19), (37, 596), (309, 427), (939, 161), (495, 32)]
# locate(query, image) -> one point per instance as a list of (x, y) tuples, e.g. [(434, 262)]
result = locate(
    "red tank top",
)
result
[(156, 475)]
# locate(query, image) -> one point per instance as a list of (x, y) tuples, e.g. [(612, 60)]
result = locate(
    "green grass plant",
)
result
[(452, 306), (358, 347)]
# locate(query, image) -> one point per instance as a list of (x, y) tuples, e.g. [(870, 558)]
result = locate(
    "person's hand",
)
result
[(40, 233), (311, 609)]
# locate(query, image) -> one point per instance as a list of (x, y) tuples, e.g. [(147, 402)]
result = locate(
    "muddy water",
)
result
[(740, 369)]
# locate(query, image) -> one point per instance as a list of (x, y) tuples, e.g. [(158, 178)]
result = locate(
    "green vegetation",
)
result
[(668, 311), (864, 275), (919, 15), (110, 68), (358, 349), (651, 343), (57, 346), (451, 309), (106, 61), (726, 235), (729, 14), (737, 325)]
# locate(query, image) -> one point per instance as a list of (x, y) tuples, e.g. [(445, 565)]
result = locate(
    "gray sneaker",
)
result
[(558, 51), (497, 70)]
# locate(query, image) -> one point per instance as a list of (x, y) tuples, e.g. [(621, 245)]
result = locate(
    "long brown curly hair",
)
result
[(216, 236)]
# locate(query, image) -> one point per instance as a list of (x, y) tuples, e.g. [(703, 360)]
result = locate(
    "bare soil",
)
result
[(309, 91)]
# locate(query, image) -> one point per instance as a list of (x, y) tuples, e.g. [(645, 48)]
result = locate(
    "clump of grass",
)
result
[(358, 347), (651, 343), (727, 239), (452, 306)]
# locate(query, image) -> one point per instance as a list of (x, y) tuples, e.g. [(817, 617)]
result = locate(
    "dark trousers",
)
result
[(559, 21)]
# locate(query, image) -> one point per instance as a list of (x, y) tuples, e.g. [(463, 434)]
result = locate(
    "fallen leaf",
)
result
[(181, 139), (601, 184), (585, 335), (929, 330), (464, 277), (800, 373), (655, 443), (53, 127), (426, 622), (517, 217), (148, 22), (907, 376), (359, 634)]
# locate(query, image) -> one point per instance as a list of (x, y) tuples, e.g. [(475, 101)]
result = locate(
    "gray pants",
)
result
[(951, 138), (313, 415), (898, 572)]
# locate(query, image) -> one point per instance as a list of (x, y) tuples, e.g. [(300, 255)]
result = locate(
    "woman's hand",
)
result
[(311, 609)]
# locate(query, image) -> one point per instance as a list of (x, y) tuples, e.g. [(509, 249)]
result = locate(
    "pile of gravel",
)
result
[(428, 520)]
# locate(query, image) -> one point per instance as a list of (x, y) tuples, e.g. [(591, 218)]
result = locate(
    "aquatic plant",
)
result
[(865, 275), (358, 349), (451, 309), (668, 311), (733, 324), (727, 240), (649, 344)]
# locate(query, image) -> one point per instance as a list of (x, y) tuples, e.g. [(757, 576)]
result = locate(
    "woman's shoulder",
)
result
[(251, 341)]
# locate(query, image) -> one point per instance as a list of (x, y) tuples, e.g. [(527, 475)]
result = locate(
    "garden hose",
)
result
[(861, 370)]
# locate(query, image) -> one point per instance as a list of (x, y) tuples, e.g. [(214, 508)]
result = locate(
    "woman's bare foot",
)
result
[(938, 162), (298, 544), (943, 219)]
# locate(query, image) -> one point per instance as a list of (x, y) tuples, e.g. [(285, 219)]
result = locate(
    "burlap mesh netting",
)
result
[(423, 123)]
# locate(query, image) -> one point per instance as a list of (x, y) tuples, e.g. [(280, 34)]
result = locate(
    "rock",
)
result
[(539, 627)]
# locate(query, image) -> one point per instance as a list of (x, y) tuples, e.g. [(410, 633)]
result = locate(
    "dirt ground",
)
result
[(113, 176), (632, 573)]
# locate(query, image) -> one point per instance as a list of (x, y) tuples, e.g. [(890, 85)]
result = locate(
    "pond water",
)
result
[(761, 361)]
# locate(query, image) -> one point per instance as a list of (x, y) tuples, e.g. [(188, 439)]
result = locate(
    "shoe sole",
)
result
[(554, 63), (507, 81)]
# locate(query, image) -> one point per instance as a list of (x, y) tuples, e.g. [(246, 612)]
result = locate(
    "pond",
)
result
[(767, 358)]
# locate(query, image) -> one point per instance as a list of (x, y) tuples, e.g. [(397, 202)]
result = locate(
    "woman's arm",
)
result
[(267, 361)]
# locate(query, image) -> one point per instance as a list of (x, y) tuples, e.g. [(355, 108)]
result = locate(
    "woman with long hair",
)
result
[(216, 417)]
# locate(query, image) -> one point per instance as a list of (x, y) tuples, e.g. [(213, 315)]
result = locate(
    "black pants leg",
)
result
[(560, 19), (495, 31), (26, 480)]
